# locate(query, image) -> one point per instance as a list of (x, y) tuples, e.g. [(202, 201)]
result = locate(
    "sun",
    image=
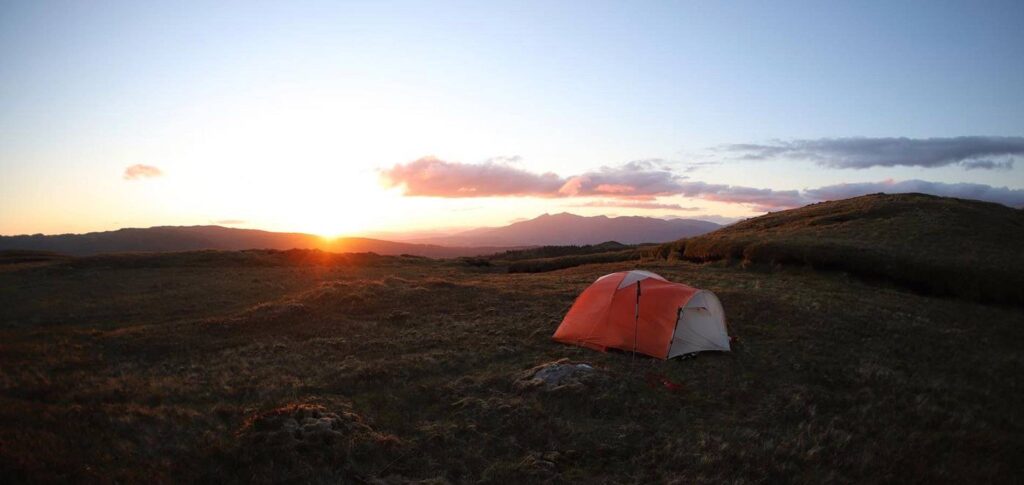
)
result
[(344, 204), (330, 223)]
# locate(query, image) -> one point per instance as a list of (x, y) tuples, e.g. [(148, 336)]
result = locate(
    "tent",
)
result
[(642, 312)]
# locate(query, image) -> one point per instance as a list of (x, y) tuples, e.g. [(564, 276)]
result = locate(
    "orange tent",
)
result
[(642, 312)]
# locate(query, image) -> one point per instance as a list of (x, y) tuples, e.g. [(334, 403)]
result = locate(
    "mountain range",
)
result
[(572, 229), (558, 229)]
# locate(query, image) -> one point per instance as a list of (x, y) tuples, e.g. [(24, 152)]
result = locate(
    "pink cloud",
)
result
[(140, 171), (639, 179), (432, 177)]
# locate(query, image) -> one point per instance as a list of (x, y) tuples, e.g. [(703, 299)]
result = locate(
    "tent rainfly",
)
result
[(640, 311)]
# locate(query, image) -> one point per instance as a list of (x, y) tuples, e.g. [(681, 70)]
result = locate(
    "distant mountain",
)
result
[(565, 229), (190, 238)]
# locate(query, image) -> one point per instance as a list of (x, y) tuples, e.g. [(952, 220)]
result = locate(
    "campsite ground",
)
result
[(181, 367)]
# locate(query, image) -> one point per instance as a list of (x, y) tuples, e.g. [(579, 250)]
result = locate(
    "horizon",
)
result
[(349, 120), (409, 236)]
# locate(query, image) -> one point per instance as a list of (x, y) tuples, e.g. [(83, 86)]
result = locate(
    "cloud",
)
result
[(640, 179), (717, 219), (432, 177), (691, 167), (638, 184), (229, 222), (507, 160), (635, 204), (987, 165), (758, 199), (139, 171), (970, 152), (770, 200), (1002, 195)]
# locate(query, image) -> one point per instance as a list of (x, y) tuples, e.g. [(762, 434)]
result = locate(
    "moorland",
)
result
[(307, 366)]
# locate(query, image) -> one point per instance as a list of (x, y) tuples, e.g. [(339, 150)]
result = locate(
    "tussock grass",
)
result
[(943, 246)]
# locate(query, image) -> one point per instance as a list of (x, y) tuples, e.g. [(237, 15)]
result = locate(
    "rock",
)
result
[(560, 374)]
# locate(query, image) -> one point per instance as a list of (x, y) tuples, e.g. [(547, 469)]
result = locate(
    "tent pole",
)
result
[(636, 319)]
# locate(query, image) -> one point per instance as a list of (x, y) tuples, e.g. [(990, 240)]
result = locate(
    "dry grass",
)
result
[(146, 371)]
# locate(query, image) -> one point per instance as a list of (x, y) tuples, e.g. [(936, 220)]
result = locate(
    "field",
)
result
[(198, 366)]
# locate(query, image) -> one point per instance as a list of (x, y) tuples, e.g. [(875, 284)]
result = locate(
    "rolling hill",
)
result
[(939, 245), (572, 229), (191, 238)]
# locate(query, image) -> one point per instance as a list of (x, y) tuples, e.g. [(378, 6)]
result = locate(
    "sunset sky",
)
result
[(359, 117)]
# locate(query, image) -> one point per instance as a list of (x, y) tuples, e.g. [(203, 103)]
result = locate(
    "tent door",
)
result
[(700, 326)]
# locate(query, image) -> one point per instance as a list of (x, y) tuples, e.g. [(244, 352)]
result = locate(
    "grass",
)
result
[(550, 258), (937, 245), (189, 367), (544, 252), (540, 265), (15, 256)]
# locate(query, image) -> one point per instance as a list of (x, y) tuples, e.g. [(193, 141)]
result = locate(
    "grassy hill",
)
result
[(940, 245)]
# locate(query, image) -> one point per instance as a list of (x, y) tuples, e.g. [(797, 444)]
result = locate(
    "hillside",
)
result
[(192, 238), (936, 244), (570, 229)]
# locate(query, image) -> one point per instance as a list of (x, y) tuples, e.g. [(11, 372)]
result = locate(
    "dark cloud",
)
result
[(139, 171), (429, 176), (988, 193), (987, 165), (971, 152)]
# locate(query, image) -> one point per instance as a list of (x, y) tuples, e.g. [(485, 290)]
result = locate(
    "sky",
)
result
[(344, 118)]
